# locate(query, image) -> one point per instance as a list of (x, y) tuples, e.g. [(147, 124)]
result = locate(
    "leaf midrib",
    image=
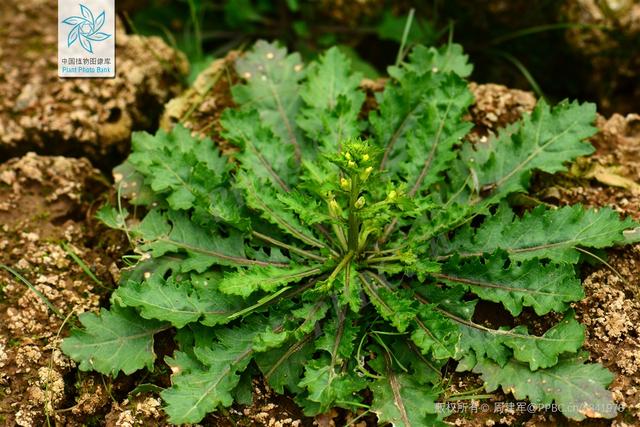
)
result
[(496, 285), (537, 151)]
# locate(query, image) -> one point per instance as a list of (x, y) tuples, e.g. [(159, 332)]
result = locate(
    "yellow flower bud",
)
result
[(347, 155), (365, 157), (359, 203), (334, 209), (392, 195), (351, 164), (345, 183), (365, 174)]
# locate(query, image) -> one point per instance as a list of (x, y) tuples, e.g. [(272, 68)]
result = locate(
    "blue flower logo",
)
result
[(86, 29)]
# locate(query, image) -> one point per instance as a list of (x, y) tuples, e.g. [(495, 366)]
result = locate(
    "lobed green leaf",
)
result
[(400, 400), (245, 281), (578, 389), (332, 102), (117, 340), (543, 233), (178, 302), (545, 140), (529, 283)]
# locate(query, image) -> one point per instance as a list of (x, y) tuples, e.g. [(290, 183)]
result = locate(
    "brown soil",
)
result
[(497, 106), (77, 117), (44, 202)]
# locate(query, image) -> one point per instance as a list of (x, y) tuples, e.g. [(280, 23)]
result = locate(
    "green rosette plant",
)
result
[(342, 256)]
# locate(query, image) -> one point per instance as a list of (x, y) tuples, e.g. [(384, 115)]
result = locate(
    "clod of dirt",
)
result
[(44, 191), (268, 409), (497, 106), (608, 37), (90, 117), (141, 411), (44, 202)]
